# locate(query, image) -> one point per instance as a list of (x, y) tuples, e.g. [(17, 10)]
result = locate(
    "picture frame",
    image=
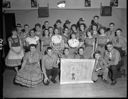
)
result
[(87, 3), (114, 3), (34, 3), (76, 71), (6, 4)]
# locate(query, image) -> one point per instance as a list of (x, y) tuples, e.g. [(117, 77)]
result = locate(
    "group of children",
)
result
[(72, 41)]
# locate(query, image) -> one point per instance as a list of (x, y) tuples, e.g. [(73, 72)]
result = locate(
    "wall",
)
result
[(31, 16), (70, 4)]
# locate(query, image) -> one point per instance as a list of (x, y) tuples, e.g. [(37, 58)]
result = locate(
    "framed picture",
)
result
[(6, 4), (114, 3), (34, 4), (76, 71), (87, 3), (106, 11)]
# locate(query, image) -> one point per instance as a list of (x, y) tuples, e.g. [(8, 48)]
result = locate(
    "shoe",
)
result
[(113, 82), (94, 81), (54, 81)]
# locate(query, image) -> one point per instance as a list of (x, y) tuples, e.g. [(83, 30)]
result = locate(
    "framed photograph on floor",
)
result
[(114, 3), (76, 71), (34, 4), (87, 3)]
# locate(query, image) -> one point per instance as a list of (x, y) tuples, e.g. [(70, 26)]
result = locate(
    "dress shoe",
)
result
[(113, 82)]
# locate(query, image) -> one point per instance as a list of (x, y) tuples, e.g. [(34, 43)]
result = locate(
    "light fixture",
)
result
[(61, 4)]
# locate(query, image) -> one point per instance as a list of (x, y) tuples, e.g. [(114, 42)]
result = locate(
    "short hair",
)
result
[(38, 24), (94, 25), (111, 23), (96, 16), (49, 48), (32, 45), (58, 21), (83, 25), (108, 43), (46, 22), (65, 49), (50, 27), (118, 29), (26, 25), (31, 30), (88, 31), (74, 26), (101, 28), (44, 32), (96, 52), (80, 48)]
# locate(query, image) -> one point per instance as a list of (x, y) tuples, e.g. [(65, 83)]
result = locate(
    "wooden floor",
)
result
[(98, 89)]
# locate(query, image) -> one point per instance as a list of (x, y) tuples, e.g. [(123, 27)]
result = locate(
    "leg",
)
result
[(94, 76), (55, 72), (48, 73), (113, 71)]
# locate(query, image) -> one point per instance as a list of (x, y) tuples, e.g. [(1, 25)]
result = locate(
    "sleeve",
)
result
[(25, 56), (55, 61), (117, 58)]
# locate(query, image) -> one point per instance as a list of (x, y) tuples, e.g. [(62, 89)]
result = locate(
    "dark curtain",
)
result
[(8, 24)]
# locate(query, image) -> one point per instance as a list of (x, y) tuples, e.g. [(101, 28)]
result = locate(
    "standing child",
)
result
[(16, 52)]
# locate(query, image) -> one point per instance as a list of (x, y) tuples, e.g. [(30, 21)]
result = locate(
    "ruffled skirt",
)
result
[(13, 59), (30, 75)]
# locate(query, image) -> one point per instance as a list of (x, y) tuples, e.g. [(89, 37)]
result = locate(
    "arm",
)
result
[(24, 61), (43, 66), (115, 59)]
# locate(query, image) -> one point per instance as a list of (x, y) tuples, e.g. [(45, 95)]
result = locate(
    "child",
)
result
[(100, 68), (16, 51)]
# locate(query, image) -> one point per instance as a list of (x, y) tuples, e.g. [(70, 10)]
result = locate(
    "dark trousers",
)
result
[(52, 72), (114, 71), (122, 52)]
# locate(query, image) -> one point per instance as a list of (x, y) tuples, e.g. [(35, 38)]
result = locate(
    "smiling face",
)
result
[(97, 56), (32, 49), (82, 27), (66, 51), (56, 31), (102, 31), (118, 33), (32, 33), (49, 52), (14, 33), (89, 34), (73, 36), (111, 26), (46, 32), (81, 51), (109, 47)]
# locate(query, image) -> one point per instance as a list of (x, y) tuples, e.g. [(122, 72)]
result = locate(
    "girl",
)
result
[(90, 44), (33, 39), (73, 43), (30, 73), (57, 42), (50, 29), (38, 30), (74, 30), (45, 41), (102, 40), (16, 52), (82, 33)]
